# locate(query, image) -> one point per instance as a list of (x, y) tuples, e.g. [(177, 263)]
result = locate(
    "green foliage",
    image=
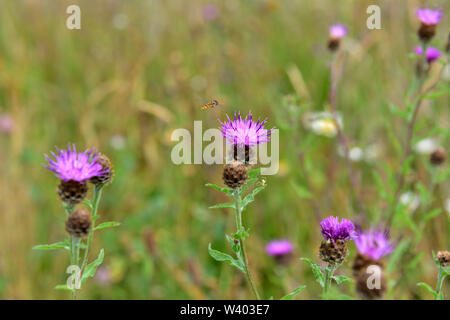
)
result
[(91, 268), (293, 293), (317, 271), (220, 256), (105, 225), (57, 245)]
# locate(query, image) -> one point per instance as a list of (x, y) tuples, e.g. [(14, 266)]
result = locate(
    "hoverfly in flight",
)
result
[(210, 105)]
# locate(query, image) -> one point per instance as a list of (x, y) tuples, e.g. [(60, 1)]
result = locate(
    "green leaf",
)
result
[(241, 234), (88, 203), (317, 271), (342, 279), (91, 268), (302, 192), (223, 205), (235, 244), (433, 213), (250, 197), (254, 173), (225, 190), (293, 293), (220, 256), (104, 225), (53, 246), (62, 287), (428, 288)]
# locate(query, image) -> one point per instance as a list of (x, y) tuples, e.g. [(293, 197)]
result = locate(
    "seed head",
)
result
[(79, 223), (438, 156), (108, 172), (333, 252), (72, 192), (444, 258), (235, 174), (366, 287)]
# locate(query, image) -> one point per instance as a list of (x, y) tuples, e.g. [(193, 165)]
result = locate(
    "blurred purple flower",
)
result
[(431, 54), (337, 31), (277, 248), (334, 230), (245, 131), (6, 123), (210, 12), (429, 16), (70, 165), (373, 243), (103, 276)]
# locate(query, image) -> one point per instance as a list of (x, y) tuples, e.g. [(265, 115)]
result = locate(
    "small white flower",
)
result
[(447, 205), (410, 200), (117, 142), (322, 123), (426, 146)]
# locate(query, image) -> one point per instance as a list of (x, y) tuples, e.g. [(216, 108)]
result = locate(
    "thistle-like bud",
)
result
[(444, 258), (108, 174), (438, 156), (235, 174), (79, 223), (429, 19), (333, 252), (72, 192), (369, 276), (336, 33)]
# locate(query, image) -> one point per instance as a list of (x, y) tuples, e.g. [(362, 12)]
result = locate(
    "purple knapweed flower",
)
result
[(334, 230), (70, 165), (210, 12), (373, 243), (429, 16), (431, 53), (245, 131), (337, 31), (6, 123), (278, 248)]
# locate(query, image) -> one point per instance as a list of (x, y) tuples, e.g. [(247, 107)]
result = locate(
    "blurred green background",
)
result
[(139, 69)]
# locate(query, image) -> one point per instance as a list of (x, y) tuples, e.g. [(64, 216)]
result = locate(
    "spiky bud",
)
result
[(79, 223), (235, 174), (366, 286), (106, 177), (426, 32), (438, 156), (72, 192), (333, 252), (444, 258)]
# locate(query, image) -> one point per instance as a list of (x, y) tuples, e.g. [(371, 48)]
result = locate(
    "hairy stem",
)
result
[(243, 258), (95, 202), (440, 283), (329, 270)]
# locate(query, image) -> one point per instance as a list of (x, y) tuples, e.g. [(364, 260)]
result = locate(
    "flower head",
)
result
[(337, 31), (277, 248), (429, 16), (373, 243), (431, 53), (245, 131), (70, 165), (334, 230)]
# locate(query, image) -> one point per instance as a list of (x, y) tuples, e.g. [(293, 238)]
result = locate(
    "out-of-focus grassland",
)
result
[(135, 71)]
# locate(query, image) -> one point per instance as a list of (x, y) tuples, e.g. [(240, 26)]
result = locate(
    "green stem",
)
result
[(440, 283), (329, 270), (243, 258), (95, 202)]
